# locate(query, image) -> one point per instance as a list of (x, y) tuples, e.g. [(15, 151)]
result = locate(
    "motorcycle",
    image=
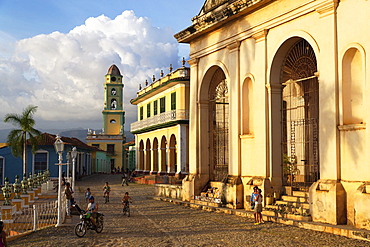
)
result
[(86, 224)]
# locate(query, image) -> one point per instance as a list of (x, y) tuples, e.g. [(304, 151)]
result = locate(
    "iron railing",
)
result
[(165, 117)]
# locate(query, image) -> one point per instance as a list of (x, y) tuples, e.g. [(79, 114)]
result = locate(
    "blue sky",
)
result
[(51, 49), (26, 18)]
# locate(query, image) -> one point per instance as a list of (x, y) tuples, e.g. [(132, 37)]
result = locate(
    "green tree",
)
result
[(17, 138)]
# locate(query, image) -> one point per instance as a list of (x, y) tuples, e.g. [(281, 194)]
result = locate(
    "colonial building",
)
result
[(161, 132), (278, 98), (46, 158), (112, 137)]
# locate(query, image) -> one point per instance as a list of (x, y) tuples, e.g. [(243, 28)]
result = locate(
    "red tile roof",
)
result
[(49, 139)]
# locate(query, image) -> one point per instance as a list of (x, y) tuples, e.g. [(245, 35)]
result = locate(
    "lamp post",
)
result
[(59, 148), (68, 157), (74, 156)]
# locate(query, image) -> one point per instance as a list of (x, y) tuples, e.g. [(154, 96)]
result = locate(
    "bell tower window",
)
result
[(113, 104)]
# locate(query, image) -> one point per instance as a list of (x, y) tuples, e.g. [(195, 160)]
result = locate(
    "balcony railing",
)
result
[(165, 117)]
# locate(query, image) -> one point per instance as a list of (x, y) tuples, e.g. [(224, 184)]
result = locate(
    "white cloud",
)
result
[(63, 74)]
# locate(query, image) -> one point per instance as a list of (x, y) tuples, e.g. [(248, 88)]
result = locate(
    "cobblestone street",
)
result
[(158, 223)]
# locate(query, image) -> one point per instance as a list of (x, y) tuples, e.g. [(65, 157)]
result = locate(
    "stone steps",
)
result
[(205, 203), (293, 206), (286, 215), (297, 199), (304, 205)]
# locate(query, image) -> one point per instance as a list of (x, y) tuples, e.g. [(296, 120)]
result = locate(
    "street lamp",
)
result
[(74, 156), (68, 157), (59, 148)]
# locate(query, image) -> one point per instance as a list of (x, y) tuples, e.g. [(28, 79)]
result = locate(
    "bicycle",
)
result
[(106, 197), (126, 209)]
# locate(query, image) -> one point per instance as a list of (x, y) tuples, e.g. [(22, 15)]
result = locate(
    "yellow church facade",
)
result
[(279, 94), (161, 132)]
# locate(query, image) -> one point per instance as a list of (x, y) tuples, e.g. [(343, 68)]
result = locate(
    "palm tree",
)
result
[(17, 138)]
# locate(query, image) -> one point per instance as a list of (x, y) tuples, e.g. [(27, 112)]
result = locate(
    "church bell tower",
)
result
[(112, 136), (113, 113)]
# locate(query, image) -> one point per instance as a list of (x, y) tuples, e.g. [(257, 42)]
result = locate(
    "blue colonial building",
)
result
[(46, 158)]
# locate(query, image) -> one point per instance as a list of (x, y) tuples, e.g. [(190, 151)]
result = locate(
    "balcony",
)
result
[(162, 120)]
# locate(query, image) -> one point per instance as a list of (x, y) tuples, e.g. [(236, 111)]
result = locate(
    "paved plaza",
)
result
[(158, 223)]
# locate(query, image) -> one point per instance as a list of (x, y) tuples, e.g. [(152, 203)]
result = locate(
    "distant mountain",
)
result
[(4, 135), (77, 133)]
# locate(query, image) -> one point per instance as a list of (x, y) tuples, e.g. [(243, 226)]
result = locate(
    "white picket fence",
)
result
[(36, 217)]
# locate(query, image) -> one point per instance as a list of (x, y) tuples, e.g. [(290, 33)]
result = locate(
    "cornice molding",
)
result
[(261, 35), (234, 46), (327, 8), (193, 61)]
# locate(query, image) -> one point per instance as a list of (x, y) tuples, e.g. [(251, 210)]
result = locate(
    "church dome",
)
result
[(113, 70)]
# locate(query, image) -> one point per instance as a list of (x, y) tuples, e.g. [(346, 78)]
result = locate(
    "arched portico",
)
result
[(155, 156), (294, 111), (140, 160), (163, 156), (172, 155), (147, 156), (214, 119)]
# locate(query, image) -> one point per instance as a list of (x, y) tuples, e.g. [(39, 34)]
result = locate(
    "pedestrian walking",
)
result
[(124, 179), (106, 190), (69, 198), (254, 194), (258, 208)]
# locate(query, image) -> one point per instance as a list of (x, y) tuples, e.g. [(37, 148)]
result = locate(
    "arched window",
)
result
[(247, 107), (219, 125), (352, 87), (113, 104)]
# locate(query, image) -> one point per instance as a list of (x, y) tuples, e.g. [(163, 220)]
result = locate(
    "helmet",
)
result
[(91, 198)]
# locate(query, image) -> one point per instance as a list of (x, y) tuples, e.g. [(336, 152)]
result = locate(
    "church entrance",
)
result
[(300, 116), (219, 126)]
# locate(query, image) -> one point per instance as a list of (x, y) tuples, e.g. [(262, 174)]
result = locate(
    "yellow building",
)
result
[(278, 99), (161, 132), (112, 137)]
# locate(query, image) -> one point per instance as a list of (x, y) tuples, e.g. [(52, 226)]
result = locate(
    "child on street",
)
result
[(87, 194), (126, 199), (106, 189)]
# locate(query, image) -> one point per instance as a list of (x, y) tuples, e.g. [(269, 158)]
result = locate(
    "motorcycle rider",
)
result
[(91, 210)]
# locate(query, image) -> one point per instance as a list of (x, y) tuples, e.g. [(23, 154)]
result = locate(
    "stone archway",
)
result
[(294, 92), (172, 155)]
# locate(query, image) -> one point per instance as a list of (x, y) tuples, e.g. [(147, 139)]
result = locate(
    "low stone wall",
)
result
[(168, 190)]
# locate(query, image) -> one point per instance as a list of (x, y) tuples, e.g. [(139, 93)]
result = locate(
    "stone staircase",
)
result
[(154, 179), (295, 207)]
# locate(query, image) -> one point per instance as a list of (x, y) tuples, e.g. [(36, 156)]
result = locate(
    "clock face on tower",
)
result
[(113, 78)]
